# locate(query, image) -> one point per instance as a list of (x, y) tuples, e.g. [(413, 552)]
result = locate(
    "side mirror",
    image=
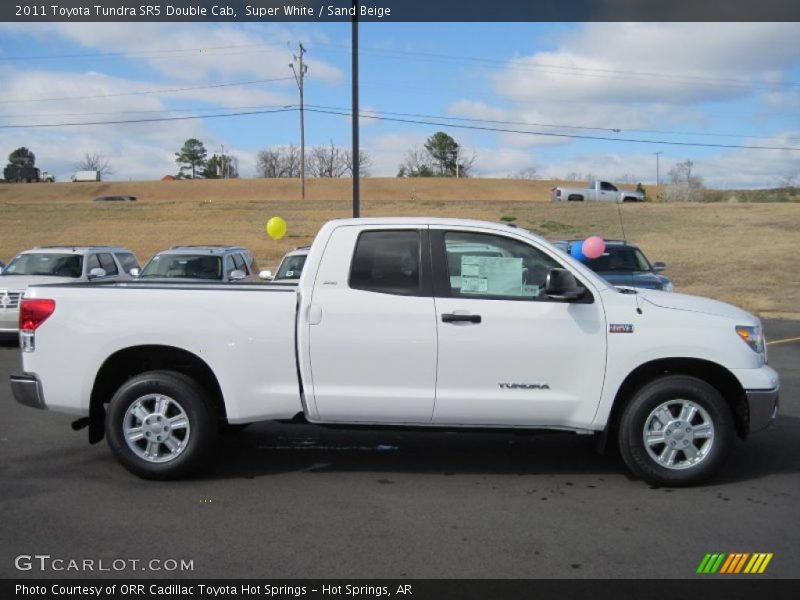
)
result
[(134, 272), (659, 266), (266, 275), (562, 285), (237, 275), (97, 272)]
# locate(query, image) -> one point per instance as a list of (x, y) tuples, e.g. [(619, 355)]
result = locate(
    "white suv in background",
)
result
[(58, 264)]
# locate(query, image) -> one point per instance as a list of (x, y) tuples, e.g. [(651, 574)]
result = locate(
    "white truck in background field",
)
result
[(413, 322), (597, 191), (85, 176)]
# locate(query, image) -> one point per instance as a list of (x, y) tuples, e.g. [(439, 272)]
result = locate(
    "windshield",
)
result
[(619, 258), (186, 266), (291, 267), (45, 263)]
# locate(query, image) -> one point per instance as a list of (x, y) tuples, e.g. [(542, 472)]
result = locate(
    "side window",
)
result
[(387, 262), (229, 266), (607, 187), (238, 263), (107, 263), (491, 266), (127, 260), (92, 263)]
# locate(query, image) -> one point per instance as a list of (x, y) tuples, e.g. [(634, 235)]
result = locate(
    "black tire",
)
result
[(186, 395), (639, 412)]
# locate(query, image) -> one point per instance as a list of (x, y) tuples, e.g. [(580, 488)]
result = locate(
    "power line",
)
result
[(552, 134), (143, 92), (145, 111), (523, 64), (436, 123), (515, 64), (154, 120), (555, 126)]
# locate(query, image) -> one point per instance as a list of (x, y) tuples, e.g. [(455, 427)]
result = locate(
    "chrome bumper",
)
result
[(27, 390), (763, 408)]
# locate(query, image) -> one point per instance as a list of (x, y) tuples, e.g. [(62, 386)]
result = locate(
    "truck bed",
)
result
[(245, 333)]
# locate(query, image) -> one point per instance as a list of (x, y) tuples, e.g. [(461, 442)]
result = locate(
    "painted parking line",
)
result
[(785, 341)]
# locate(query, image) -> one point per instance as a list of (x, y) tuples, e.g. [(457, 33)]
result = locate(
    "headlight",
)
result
[(668, 287), (753, 336)]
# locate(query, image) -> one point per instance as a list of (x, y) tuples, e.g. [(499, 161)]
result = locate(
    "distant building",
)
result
[(168, 178)]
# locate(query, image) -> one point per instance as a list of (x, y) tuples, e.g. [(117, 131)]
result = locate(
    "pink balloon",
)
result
[(593, 247)]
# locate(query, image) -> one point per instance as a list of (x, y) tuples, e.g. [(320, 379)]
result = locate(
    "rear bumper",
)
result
[(762, 408), (27, 390), (9, 320)]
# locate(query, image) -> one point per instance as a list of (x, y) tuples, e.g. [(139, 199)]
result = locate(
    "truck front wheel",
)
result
[(160, 425), (676, 431)]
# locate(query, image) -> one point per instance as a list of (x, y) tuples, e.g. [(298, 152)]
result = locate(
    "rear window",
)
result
[(387, 262), (183, 266), (291, 267)]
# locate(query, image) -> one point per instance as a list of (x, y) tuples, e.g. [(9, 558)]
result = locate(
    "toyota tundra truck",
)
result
[(411, 322)]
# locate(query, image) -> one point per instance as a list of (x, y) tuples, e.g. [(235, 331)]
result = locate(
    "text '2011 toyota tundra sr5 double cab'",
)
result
[(402, 322)]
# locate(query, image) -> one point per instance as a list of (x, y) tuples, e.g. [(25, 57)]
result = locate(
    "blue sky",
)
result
[(734, 84)]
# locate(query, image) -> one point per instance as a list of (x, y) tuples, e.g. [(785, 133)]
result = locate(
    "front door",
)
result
[(508, 355)]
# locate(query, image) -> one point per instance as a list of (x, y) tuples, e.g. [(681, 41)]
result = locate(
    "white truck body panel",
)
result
[(366, 357), (86, 176), (596, 191), (243, 336)]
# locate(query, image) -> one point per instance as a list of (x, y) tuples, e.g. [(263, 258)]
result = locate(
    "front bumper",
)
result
[(27, 390), (762, 408)]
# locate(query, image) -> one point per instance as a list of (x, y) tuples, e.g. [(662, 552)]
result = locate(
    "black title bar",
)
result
[(267, 11)]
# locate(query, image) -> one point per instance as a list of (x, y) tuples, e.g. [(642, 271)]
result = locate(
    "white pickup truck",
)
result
[(596, 191), (416, 322)]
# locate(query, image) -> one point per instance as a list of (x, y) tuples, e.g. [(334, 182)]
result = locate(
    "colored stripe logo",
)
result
[(735, 562)]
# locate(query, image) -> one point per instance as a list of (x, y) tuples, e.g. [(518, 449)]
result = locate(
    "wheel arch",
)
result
[(708, 371), (131, 361)]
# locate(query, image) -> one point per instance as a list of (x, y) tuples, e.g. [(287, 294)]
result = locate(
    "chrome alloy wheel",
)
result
[(156, 428), (678, 434)]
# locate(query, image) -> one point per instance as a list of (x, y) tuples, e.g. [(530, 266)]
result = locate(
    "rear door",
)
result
[(371, 327), (508, 355)]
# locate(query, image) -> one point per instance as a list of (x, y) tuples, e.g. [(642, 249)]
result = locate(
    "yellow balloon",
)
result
[(276, 228)]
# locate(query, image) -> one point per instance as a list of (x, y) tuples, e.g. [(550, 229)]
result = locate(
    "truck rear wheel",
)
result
[(676, 431), (160, 425)]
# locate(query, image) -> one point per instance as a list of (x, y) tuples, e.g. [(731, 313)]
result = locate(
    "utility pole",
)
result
[(658, 175), (458, 154), (356, 149), (222, 163), (299, 76)]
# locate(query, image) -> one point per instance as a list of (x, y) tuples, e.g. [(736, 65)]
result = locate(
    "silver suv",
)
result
[(58, 264), (200, 264)]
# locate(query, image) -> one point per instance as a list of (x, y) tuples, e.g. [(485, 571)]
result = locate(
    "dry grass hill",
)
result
[(741, 253)]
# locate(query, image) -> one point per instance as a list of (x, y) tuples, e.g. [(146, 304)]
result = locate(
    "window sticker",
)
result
[(498, 276)]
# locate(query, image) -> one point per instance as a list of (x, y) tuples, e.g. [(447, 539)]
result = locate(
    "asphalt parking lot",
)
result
[(298, 501)]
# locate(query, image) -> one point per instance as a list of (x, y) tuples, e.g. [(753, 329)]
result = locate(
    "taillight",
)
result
[(35, 311)]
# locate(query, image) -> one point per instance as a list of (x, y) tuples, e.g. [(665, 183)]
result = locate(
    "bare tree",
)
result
[(417, 163), (290, 161), (326, 161), (268, 163), (281, 161), (527, 173), (92, 161), (684, 185), (364, 163)]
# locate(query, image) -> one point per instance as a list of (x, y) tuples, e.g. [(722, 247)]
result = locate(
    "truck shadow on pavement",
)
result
[(267, 448)]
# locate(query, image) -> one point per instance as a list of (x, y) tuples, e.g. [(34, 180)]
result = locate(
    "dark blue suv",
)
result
[(624, 264)]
